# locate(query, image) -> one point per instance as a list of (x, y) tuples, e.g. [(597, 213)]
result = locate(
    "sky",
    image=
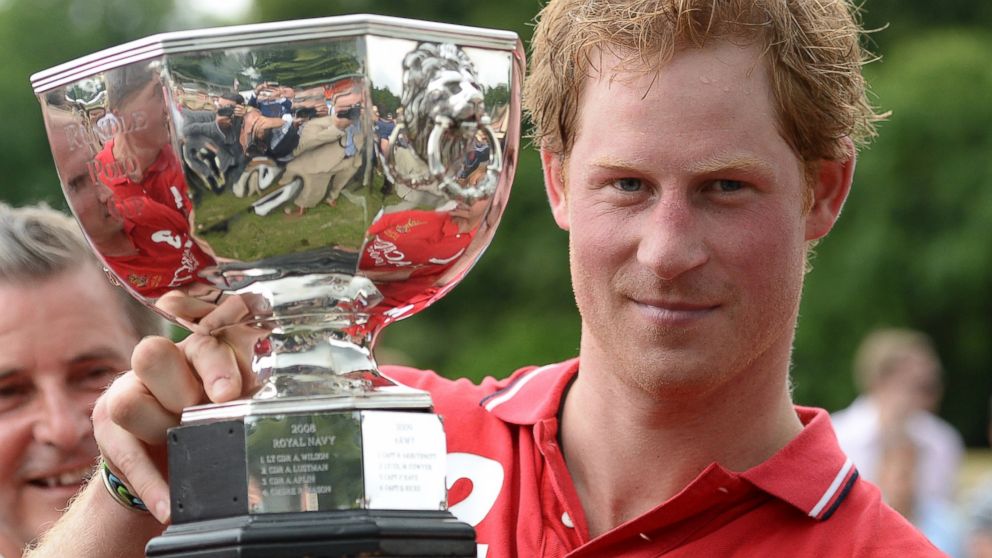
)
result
[(224, 9)]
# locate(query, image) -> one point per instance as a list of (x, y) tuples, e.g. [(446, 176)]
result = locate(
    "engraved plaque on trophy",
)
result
[(328, 177)]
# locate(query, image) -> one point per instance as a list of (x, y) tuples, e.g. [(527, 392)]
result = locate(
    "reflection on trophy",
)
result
[(333, 175)]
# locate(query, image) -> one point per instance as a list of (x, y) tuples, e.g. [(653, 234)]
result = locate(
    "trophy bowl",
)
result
[(332, 176)]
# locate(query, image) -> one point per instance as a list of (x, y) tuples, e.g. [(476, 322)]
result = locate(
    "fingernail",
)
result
[(222, 388), (162, 511)]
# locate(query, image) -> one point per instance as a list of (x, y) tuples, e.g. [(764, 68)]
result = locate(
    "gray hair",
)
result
[(38, 242)]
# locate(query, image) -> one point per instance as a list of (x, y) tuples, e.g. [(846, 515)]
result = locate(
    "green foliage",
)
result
[(900, 20), (507, 14), (386, 100), (912, 247), (39, 34)]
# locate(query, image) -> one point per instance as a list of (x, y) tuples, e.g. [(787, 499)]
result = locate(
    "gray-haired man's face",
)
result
[(63, 339)]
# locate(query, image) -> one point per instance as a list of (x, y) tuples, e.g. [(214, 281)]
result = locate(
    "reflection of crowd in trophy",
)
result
[(330, 150), (298, 147), (283, 144)]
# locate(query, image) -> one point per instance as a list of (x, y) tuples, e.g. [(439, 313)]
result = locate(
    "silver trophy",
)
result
[(332, 176)]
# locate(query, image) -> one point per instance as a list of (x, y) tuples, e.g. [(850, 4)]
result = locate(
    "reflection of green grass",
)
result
[(250, 237)]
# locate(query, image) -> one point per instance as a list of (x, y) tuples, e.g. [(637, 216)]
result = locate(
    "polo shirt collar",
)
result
[(534, 395), (810, 473)]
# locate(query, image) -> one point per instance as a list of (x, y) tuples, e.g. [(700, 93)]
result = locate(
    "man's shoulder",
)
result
[(861, 527), (460, 390), (523, 398), (471, 426), (865, 526)]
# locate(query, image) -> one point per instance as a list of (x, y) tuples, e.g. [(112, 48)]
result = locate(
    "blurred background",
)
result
[(913, 248)]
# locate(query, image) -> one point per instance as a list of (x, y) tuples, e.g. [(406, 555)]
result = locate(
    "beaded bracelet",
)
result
[(121, 493)]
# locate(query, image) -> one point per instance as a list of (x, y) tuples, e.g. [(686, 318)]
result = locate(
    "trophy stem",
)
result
[(297, 361)]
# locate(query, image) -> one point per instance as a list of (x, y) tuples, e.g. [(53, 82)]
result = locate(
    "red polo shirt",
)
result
[(419, 242), (166, 256), (162, 181), (507, 477), (418, 247)]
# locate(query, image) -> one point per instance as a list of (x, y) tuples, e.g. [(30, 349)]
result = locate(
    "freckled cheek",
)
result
[(596, 252), (771, 255), (596, 231), (594, 261)]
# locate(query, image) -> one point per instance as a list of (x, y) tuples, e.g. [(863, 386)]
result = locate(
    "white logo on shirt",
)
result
[(177, 196), (187, 264), (384, 252), (486, 476), (167, 237)]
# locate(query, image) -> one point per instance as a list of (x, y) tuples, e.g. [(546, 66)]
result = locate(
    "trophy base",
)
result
[(332, 534)]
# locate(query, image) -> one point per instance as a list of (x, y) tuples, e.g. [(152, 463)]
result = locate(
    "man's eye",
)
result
[(13, 395), (728, 185), (15, 390), (97, 377), (628, 184)]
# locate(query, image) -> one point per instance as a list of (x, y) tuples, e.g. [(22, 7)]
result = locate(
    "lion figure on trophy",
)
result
[(443, 111)]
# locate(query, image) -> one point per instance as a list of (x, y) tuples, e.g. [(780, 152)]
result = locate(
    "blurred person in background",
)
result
[(979, 544), (899, 375), (65, 333), (979, 502), (898, 467)]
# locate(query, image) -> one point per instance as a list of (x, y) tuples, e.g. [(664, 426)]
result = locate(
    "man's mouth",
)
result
[(71, 478), (673, 312)]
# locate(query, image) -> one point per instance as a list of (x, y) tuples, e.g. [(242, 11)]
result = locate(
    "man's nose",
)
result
[(672, 241), (64, 419)]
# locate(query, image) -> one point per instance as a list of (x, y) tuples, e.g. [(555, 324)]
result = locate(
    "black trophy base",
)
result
[(334, 534)]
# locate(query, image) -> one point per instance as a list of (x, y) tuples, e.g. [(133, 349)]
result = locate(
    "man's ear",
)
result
[(830, 189), (554, 183)]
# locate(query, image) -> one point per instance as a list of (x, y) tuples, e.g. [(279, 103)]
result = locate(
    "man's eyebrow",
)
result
[(99, 353), (709, 165), (613, 163), (719, 163)]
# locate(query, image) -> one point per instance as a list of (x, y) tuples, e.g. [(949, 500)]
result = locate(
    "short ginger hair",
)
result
[(812, 47)]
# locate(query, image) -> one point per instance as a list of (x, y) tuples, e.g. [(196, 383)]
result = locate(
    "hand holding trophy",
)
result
[(325, 177)]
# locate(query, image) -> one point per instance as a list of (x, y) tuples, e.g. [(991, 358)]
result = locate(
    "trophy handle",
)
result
[(393, 174), (437, 172), (487, 186)]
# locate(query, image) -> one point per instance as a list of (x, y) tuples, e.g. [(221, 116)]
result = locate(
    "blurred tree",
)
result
[(508, 14), (912, 247), (38, 34), (385, 99), (901, 19)]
